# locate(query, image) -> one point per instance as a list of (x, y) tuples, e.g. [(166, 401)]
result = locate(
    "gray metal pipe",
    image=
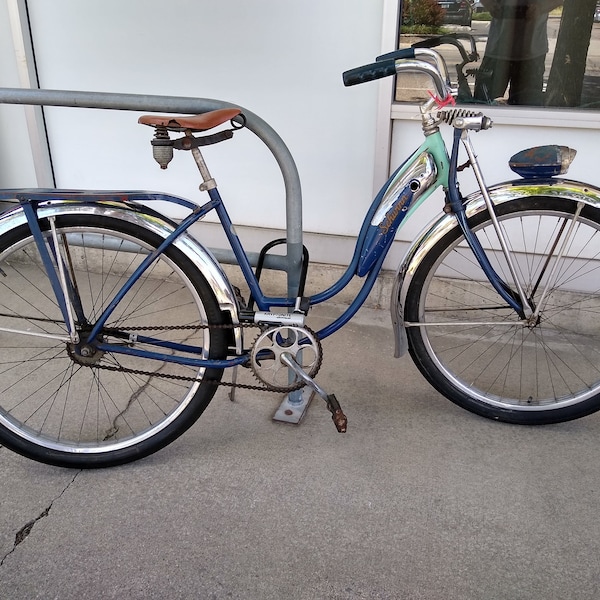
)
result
[(179, 104), (94, 240)]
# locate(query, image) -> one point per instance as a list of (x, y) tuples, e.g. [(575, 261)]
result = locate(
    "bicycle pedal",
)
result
[(339, 418)]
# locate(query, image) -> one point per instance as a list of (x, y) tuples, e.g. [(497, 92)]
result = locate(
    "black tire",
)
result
[(480, 355), (59, 409)]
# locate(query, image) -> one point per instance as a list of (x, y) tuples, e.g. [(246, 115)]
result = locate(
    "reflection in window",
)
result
[(517, 52)]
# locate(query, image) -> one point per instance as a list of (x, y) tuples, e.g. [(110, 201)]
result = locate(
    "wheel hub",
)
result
[(84, 353)]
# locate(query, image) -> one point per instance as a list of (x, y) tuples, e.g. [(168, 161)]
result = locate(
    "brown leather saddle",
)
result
[(196, 123)]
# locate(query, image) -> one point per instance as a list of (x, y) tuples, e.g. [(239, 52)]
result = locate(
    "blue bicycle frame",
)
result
[(428, 168)]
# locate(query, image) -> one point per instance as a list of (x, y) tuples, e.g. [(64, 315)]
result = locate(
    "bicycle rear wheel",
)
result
[(105, 408), (476, 351)]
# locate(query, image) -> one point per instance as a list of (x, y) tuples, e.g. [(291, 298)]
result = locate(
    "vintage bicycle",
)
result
[(116, 324)]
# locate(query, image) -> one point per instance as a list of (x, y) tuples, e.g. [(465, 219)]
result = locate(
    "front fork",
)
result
[(517, 300)]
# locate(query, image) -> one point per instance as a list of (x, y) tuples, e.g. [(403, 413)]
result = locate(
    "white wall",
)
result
[(281, 60), (16, 161)]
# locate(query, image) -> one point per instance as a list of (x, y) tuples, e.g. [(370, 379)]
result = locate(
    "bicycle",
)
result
[(116, 325)]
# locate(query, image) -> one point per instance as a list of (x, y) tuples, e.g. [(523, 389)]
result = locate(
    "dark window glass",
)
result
[(528, 52)]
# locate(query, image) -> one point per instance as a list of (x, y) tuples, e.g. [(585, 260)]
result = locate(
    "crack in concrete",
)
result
[(114, 429), (27, 528), (135, 395)]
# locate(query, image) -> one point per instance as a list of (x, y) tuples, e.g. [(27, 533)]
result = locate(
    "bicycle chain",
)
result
[(246, 386)]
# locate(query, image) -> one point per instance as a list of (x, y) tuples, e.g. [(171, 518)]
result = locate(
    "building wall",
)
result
[(16, 160), (281, 60)]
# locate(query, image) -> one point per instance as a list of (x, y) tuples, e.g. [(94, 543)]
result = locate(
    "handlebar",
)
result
[(402, 61), (453, 39), (430, 56), (468, 55), (377, 70)]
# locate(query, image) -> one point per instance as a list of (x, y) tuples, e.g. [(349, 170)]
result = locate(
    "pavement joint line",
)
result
[(22, 534)]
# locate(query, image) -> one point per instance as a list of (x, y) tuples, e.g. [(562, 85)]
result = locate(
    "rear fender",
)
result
[(145, 217)]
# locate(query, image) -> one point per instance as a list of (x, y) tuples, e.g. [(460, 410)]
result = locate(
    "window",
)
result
[(518, 52)]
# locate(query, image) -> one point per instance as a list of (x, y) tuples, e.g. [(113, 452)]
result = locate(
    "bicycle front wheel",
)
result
[(474, 349), (67, 406)]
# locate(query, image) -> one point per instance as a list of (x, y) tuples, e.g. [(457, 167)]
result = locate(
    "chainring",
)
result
[(301, 343)]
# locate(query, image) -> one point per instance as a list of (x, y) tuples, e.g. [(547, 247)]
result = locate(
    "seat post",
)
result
[(208, 183)]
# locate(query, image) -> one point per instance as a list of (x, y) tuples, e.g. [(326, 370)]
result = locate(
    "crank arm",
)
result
[(339, 418)]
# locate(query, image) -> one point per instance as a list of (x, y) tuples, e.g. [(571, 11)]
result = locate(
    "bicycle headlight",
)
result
[(542, 161)]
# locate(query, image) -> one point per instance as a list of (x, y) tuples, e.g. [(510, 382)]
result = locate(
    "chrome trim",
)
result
[(63, 283), (422, 170), (474, 204), (139, 215), (60, 338), (516, 281), (553, 272), (436, 59), (466, 324), (420, 66)]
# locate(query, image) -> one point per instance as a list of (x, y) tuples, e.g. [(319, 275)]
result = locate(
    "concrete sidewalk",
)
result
[(419, 500)]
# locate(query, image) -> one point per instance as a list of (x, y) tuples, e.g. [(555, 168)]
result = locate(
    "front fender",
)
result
[(145, 217), (474, 204)]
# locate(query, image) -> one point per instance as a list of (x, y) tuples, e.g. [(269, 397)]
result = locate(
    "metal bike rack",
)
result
[(296, 403)]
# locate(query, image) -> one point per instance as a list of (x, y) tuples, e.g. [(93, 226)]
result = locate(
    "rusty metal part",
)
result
[(338, 416), (340, 420)]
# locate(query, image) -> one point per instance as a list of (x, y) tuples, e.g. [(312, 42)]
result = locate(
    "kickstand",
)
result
[(233, 382), (339, 418)]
